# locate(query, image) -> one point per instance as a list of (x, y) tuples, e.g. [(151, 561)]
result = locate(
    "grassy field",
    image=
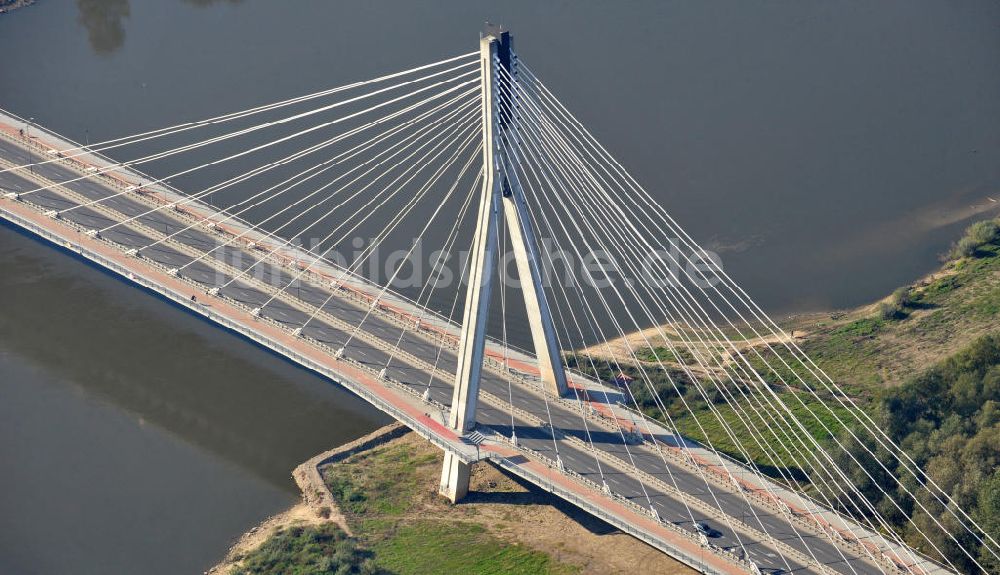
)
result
[(864, 351), (765, 440), (387, 496), (432, 547)]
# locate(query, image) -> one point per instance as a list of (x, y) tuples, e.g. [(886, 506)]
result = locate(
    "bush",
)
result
[(947, 420), (321, 550), (976, 236), (889, 311), (901, 298), (895, 308)]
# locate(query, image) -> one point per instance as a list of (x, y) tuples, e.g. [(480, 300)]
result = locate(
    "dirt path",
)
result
[(622, 348)]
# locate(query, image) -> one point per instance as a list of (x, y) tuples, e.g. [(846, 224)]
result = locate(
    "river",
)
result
[(828, 152)]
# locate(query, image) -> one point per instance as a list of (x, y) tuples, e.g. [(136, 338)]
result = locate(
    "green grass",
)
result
[(429, 548), (391, 473), (657, 354), (752, 426), (940, 287), (868, 352), (384, 494)]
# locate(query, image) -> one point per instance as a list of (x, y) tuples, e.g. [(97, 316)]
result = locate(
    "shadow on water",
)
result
[(240, 403), (105, 21)]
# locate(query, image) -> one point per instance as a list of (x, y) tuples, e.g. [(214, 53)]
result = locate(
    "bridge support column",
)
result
[(454, 477)]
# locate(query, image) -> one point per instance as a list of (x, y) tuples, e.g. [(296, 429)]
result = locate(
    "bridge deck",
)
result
[(633, 468)]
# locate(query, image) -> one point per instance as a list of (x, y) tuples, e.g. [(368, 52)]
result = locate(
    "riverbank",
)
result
[(382, 489), (878, 345), (888, 342), (317, 506)]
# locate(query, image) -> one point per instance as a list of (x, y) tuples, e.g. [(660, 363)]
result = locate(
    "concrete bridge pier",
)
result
[(454, 477)]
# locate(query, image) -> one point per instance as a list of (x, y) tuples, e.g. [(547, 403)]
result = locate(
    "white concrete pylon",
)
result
[(495, 50), (455, 474)]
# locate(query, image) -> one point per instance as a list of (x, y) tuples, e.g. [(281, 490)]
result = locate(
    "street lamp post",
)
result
[(27, 134)]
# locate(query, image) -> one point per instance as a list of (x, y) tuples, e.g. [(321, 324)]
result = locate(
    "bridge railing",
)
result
[(885, 555), (553, 487), (347, 275)]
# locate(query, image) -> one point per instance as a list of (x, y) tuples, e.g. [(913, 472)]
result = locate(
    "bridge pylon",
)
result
[(498, 64)]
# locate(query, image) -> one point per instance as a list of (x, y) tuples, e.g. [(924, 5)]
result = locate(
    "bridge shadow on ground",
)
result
[(532, 495)]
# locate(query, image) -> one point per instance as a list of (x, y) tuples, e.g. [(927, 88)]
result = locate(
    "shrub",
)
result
[(320, 550), (946, 419), (895, 308), (976, 236), (889, 311), (901, 298)]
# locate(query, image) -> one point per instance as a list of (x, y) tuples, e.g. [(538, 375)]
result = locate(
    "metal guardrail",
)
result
[(650, 479), (117, 183), (611, 518), (348, 382), (802, 518), (136, 191)]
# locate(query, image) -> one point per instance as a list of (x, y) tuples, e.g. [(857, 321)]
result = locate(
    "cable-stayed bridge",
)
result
[(475, 153)]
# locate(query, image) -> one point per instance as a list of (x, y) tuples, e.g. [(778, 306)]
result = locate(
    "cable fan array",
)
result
[(279, 193), (767, 402)]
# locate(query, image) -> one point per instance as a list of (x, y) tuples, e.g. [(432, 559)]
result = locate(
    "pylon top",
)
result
[(505, 44)]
